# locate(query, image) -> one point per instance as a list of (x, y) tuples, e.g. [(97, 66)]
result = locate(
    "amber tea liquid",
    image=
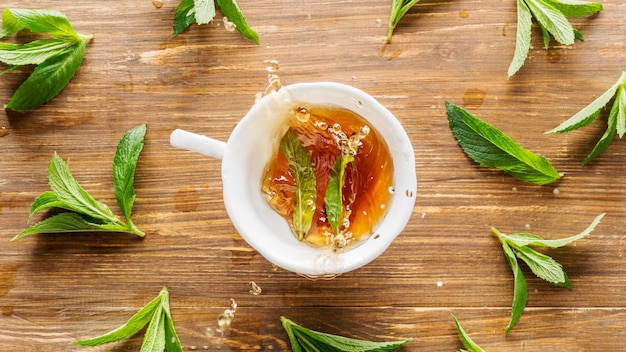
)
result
[(368, 180)]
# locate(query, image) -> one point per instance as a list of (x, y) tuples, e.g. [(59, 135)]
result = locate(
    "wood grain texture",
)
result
[(57, 288)]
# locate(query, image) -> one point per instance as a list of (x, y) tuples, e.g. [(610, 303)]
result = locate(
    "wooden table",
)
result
[(58, 288)]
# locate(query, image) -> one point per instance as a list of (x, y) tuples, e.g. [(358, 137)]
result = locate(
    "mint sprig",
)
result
[(515, 247), (160, 334), (398, 9), (465, 339), (333, 197), (552, 17), (86, 213), (616, 122), (57, 59), (306, 340), (489, 147), (202, 12)]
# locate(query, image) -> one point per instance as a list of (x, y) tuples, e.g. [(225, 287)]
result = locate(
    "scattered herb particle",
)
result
[(515, 247), (616, 122), (86, 213), (306, 340), (398, 9), (57, 59), (490, 147), (301, 167), (551, 15), (202, 12), (465, 339), (160, 334)]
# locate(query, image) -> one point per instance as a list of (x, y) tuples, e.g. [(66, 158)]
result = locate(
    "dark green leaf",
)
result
[(124, 165), (61, 223), (48, 79), (300, 166), (32, 53), (490, 147), (522, 37), (72, 194), (334, 195), (306, 340), (185, 16), (230, 9), (465, 339), (575, 8)]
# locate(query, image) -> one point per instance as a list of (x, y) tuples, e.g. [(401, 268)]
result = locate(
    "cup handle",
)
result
[(197, 143)]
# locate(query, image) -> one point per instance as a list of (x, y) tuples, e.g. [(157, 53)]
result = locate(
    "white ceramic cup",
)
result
[(252, 144)]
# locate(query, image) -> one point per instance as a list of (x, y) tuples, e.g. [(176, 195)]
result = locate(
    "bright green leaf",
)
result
[(465, 339), (544, 266), (154, 338), (60, 223), (575, 8), (522, 37), (204, 11), (10, 24), (230, 9), (520, 289), (398, 9), (32, 53), (306, 340), (552, 20), (48, 79), (334, 191), (45, 21), (490, 147), (301, 167), (124, 165), (527, 239)]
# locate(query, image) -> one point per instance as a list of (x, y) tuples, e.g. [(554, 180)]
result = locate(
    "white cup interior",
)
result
[(253, 142)]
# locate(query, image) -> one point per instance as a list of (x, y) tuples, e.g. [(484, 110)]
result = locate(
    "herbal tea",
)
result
[(331, 177)]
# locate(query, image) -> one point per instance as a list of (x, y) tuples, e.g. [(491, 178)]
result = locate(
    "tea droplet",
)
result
[(302, 114), (233, 305), (209, 332), (392, 190), (354, 78), (228, 24), (271, 65), (556, 191), (339, 242), (255, 289), (379, 22), (321, 125), (439, 283), (364, 131), (157, 3), (274, 82), (336, 128)]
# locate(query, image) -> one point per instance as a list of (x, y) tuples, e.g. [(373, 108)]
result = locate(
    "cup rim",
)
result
[(250, 213)]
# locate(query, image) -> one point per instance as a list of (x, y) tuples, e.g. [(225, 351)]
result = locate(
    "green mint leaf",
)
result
[(398, 9), (607, 137), (57, 59), (490, 147), (528, 239), (10, 24), (520, 288), (60, 223), (620, 101), (72, 194), (334, 195), (300, 166), (306, 340), (45, 201), (185, 16), (124, 165), (44, 21), (552, 20), (48, 79), (575, 8), (591, 111), (544, 266), (205, 11), (156, 313), (522, 37), (465, 339), (230, 9), (32, 53)]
